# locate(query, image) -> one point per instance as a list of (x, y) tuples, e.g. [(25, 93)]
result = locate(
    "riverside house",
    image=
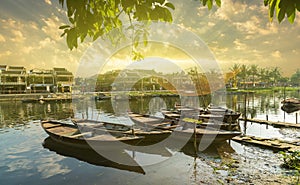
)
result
[(40, 81), (63, 79), (16, 80), (12, 79)]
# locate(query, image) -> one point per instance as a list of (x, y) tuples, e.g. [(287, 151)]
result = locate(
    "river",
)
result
[(27, 156)]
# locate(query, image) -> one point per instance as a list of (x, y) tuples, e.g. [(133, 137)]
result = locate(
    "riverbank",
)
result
[(263, 89), (139, 94), (35, 96)]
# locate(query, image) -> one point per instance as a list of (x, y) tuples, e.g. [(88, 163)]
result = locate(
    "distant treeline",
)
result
[(243, 76)]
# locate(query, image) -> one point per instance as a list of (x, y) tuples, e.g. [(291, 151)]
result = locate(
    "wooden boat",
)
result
[(209, 132), (102, 96), (70, 134), (208, 120), (211, 114), (149, 135), (90, 156), (154, 130), (290, 105), (30, 100)]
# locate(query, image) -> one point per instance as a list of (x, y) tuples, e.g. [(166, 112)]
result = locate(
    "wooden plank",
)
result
[(264, 142), (273, 123), (161, 124), (81, 134), (104, 137), (50, 125)]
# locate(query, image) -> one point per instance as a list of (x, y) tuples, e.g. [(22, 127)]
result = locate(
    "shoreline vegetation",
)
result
[(137, 94), (263, 89)]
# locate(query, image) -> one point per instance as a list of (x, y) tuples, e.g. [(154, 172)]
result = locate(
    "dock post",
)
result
[(296, 118), (267, 117)]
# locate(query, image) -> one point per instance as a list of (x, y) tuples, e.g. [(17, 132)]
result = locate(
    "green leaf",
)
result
[(280, 15), (209, 4), (218, 2), (63, 34), (168, 15), (280, 10), (72, 38), (170, 5), (272, 4), (266, 2), (291, 18), (71, 20), (290, 11), (64, 26)]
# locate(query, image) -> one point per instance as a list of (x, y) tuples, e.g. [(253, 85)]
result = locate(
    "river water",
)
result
[(28, 156)]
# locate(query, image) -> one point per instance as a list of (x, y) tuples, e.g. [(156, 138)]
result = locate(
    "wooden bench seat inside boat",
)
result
[(51, 125), (62, 130), (81, 134)]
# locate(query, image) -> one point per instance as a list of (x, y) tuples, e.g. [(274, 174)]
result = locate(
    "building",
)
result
[(40, 81), (63, 80), (12, 79), (15, 80)]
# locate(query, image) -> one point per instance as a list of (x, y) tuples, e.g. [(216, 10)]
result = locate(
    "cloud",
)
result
[(2, 38), (33, 25), (5, 54), (48, 2), (230, 9), (248, 27), (18, 36), (27, 50), (46, 42), (11, 24), (51, 27), (276, 54), (239, 45)]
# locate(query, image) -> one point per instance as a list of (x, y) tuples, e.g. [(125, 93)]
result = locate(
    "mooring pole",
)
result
[(245, 113)]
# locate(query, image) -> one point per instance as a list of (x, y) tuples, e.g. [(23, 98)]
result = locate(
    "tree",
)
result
[(275, 75), (295, 78), (243, 74), (253, 72), (235, 69), (263, 75), (97, 18)]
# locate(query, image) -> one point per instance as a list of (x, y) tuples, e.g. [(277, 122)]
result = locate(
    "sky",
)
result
[(238, 32)]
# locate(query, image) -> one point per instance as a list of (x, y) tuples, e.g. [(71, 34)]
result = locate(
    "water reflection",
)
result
[(137, 157), (90, 156), (23, 157), (13, 114)]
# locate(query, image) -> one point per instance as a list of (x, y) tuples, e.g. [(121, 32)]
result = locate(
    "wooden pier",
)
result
[(273, 123), (274, 144)]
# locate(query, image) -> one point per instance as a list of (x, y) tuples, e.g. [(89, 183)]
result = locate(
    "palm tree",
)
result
[(275, 75), (243, 74), (235, 69), (262, 75), (295, 78), (253, 72)]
